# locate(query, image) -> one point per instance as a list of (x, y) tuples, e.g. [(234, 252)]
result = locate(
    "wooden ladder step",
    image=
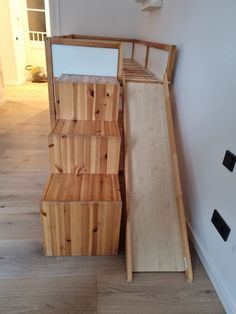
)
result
[(87, 98), (85, 147), (81, 215)]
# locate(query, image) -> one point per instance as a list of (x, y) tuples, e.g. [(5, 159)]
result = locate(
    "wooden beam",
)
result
[(83, 43), (171, 63), (151, 44), (52, 110), (128, 241), (179, 197), (146, 57)]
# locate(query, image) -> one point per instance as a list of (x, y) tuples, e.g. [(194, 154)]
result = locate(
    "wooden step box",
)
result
[(91, 147), (81, 215), (87, 98)]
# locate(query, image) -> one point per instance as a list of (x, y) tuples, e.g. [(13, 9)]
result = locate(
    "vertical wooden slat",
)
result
[(128, 246), (133, 50), (146, 57), (49, 60), (171, 63), (120, 62), (179, 197)]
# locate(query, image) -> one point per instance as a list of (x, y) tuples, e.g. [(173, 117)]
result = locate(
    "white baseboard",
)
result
[(213, 274)]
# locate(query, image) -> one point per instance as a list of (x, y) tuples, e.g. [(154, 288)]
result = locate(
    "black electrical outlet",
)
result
[(229, 160), (221, 225)]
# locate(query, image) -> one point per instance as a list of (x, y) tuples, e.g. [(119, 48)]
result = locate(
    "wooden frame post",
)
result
[(146, 57), (128, 241), (52, 110), (178, 189)]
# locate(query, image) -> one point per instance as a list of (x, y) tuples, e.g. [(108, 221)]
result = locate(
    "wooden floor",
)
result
[(32, 283)]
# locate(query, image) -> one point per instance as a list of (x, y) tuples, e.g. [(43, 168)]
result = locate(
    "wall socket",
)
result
[(229, 160), (221, 225)]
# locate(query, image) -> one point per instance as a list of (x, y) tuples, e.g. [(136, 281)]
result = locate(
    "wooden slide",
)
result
[(156, 230)]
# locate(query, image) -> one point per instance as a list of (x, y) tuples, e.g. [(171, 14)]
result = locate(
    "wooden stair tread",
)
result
[(87, 79), (83, 188), (86, 128)]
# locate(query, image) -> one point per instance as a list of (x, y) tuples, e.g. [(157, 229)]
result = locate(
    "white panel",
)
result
[(157, 62), (127, 50), (84, 60), (139, 54)]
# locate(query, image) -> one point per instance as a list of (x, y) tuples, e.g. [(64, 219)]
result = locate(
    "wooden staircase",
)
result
[(81, 205)]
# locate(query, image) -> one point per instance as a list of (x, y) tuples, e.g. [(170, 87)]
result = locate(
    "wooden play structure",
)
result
[(111, 115)]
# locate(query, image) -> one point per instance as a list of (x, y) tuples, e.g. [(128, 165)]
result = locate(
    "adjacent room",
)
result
[(117, 157)]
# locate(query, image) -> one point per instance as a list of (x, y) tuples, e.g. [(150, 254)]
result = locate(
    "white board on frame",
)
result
[(79, 60)]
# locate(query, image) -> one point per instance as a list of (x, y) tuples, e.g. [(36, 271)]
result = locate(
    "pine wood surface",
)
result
[(86, 128), (77, 100), (77, 229), (36, 284), (152, 199), (85, 147), (83, 188)]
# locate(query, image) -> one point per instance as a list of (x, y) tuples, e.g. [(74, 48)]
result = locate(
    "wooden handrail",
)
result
[(171, 49), (77, 42)]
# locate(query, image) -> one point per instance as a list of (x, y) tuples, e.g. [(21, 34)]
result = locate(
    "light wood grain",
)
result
[(50, 77), (83, 188), (178, 188), (81, 229), (88, 99), (156, 240), (81, 215), (128, 229), (85, 147)]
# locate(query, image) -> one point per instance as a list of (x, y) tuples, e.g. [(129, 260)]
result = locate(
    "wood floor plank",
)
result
[(41, 266), (75, 294), (157, 293)]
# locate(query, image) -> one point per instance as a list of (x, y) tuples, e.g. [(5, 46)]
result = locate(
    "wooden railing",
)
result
[(170, 49)]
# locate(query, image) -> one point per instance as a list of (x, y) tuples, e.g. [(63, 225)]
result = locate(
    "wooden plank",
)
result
[(65, 294), (128, 236), (171, 63), (120, 63), (102, 188), (81, 216), (124, 39), (156, 45), (82, 43), (156, 240), (52, 109), (88, 98), (175, 166), (91, 147)]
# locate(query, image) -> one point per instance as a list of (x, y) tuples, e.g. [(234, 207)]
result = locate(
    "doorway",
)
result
[(26, 23)]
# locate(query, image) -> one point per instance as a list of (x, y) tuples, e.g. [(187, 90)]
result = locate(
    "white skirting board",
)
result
[(212, 273)]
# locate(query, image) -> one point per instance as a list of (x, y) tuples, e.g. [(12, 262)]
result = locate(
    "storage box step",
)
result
[(87, 98), (91, 147), (81, 215)]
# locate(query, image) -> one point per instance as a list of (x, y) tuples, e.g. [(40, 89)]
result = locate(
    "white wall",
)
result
[(6, 45), (12, 42), (205, 95), (94, 17)]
